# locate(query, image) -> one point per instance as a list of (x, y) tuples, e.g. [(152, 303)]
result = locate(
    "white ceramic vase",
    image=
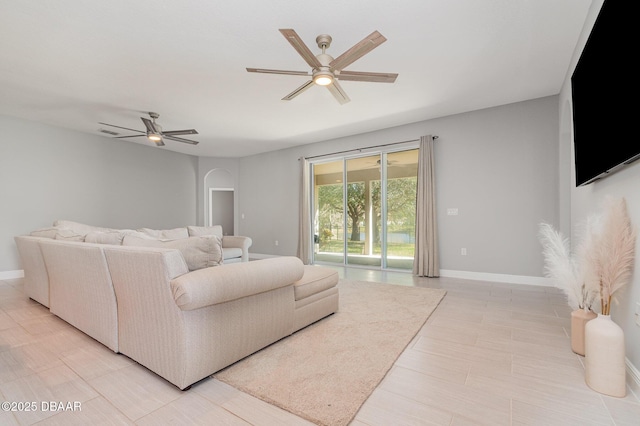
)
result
[(604, 356), (579, 319)]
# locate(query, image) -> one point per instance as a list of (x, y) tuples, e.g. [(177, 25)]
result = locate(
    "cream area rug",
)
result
[(326, 371)]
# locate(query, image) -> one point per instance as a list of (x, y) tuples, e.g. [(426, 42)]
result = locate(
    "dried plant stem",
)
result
[(605, 307)]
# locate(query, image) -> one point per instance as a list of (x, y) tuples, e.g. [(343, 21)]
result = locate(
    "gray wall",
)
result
[(48, 173), (586, 200), (498, 166)]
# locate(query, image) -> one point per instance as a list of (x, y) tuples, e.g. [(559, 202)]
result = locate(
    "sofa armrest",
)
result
[(233, 241), (219, 284)]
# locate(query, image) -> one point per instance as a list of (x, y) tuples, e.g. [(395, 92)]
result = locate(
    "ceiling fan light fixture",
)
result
[(154, 137), (323, 78)]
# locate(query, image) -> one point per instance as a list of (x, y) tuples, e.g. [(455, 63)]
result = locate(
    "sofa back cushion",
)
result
[(165, 234), (68, 235), (198, 252), (199, 231), (78, 228), (44, 232), (107, 237)]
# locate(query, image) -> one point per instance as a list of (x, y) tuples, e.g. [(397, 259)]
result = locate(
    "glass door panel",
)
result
[(363, 211), (328, 204), (401, 186)]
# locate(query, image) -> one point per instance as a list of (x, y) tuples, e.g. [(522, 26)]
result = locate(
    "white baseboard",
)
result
[(478, 276), (500, 278), (10, 275), (633, 377)]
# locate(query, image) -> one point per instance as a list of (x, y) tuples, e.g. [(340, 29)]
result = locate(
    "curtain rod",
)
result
[(367, 147)]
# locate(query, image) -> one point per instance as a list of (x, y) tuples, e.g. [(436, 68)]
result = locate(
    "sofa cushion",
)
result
[(68, 235), (165, 234), (198, 252), (44, 232), (79, 228), (314, 280), (231, 252), (108, 237), (198, 231)]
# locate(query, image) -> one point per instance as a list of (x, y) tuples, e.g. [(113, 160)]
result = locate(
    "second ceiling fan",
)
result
[(155, 133), (326, 71)]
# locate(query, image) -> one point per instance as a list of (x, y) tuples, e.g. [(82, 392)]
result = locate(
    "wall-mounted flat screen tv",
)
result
[(604, 87)]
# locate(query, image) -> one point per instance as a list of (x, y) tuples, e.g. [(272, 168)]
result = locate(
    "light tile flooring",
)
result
[(492, 353)]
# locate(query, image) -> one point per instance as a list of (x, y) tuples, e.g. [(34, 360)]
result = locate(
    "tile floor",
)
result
[(492, 353)]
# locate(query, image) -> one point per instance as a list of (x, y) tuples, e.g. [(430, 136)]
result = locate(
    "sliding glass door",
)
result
[(400, 200), (328, 202), (364, 210)]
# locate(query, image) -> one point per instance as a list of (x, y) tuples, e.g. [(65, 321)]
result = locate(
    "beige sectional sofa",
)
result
[(183, 324), (234, 248)]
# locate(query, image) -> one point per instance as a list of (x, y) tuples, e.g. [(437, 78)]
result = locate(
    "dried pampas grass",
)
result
[(586, 251), (558, 264), (603, 260), (567, 270), (615, 250)]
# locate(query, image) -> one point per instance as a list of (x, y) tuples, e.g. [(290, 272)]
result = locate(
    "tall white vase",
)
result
[(604, 356)]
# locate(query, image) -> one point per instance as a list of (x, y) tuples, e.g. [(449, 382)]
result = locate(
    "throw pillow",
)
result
[(44, 232), (77, 227), (111, 237), (165, 234), (198, 252), (198, 231), (68, 235)]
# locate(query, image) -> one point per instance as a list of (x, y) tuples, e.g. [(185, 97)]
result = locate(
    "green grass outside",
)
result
[(357, 247)]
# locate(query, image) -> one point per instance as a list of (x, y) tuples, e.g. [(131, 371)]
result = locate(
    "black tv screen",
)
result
[(603, 88)]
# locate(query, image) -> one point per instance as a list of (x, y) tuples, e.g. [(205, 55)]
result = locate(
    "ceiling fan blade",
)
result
[(365, 46), (267, 71), (158, 143), (297, 43), (131, 136), (150, 125), (375, 77), (299, 90), (338, 93), (120, 127), (174, 138), (179, 132)]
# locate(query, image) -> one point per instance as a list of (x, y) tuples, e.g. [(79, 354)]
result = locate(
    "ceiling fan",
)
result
[(325, 70), (155, 133)]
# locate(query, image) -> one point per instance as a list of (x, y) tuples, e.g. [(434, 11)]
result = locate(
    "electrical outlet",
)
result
[(276, 242), (463, 251), (452, 211)]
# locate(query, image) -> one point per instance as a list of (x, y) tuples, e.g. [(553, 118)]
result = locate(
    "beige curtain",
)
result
[(304, 217), (425, 262)]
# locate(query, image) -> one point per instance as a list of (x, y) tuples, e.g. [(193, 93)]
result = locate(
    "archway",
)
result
[(219, 200)]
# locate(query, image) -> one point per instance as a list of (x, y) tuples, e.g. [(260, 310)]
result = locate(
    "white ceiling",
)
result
[(74, 63)]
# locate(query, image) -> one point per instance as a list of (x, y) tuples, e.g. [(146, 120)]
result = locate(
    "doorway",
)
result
[(221, 201)]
